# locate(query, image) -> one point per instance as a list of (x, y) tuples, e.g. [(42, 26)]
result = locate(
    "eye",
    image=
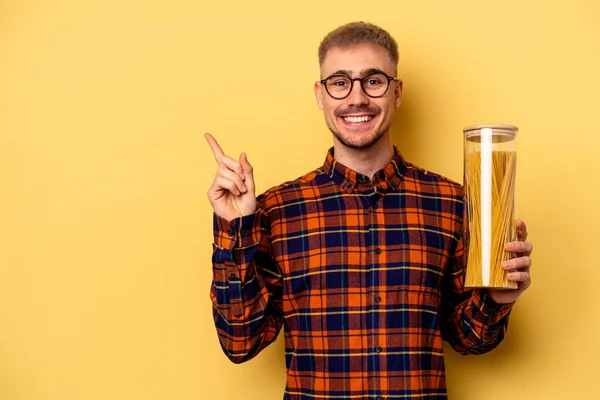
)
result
[(339, 82), (374, 81)]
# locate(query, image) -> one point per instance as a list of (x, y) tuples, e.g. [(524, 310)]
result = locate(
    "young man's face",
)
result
[(358, 121)]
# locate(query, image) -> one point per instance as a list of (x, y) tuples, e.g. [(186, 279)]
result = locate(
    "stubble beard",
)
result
[(359, 146), (346, 141)]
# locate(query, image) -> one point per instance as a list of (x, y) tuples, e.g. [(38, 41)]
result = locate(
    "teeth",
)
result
[(358, 119)]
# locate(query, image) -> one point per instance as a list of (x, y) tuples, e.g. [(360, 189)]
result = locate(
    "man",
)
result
[(362, 259)]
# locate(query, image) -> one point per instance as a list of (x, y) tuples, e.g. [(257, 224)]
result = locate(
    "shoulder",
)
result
[(423, 180), (303, 188), (438, 195)]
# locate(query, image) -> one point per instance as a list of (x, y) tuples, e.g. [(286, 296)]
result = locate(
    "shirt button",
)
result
[(348, 185), (378, 299), (232, 277), (378, 349), (379, 398), (374, 205), (230, 233), (378, 250), (243, 231)]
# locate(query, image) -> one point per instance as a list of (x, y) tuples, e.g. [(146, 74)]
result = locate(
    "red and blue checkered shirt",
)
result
[(365, 275)]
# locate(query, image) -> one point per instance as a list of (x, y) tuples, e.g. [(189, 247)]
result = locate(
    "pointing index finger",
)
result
[(216, 149)]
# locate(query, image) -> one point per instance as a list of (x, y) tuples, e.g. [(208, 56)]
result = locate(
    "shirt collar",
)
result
[(388, 178)]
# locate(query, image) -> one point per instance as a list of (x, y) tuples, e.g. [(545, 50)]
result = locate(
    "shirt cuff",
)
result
[(238, 233), (490, 307)]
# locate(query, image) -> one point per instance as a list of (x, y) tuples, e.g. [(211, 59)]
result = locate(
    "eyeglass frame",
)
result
[(389, 79)]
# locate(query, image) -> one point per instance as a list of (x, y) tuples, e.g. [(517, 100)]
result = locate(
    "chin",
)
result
[(359, 142)]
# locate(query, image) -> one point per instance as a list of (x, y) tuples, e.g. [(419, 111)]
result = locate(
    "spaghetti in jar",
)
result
[(490, 166)]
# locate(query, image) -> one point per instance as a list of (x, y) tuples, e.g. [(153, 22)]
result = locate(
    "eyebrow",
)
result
[(361, 73)]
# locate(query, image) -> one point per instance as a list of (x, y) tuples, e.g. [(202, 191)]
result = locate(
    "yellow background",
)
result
[(105, 229)]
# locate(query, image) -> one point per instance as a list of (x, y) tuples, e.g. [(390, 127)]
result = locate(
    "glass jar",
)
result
[(490, 166)]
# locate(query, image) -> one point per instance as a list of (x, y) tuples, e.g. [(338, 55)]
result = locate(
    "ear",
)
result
[(319, 94), (398, 93)]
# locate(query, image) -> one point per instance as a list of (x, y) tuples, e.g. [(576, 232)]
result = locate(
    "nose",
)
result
[(357, 95)]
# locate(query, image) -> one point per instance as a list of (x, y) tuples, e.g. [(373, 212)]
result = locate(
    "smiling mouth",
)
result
[(355, 120)]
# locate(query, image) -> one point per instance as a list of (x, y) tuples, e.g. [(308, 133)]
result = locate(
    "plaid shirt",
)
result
[(365, 275)]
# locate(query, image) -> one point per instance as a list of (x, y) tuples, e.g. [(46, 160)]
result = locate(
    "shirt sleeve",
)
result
[(471, 321), (247, 286)]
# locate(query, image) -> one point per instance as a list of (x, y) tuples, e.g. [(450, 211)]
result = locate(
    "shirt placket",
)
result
[(372, 201)]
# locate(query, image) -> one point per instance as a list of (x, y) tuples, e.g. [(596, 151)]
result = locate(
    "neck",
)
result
[(365, 161)]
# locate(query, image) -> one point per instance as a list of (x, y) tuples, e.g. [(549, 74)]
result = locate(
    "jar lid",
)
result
[(502, 132), (500, 128)]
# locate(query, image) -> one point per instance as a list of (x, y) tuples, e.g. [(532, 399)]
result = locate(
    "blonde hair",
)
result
[(355, 33)]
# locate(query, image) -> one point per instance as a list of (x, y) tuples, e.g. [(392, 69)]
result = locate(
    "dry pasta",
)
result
[(502, 216)]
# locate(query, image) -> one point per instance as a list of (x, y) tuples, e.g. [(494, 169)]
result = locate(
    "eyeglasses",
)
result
[(339, 86)]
